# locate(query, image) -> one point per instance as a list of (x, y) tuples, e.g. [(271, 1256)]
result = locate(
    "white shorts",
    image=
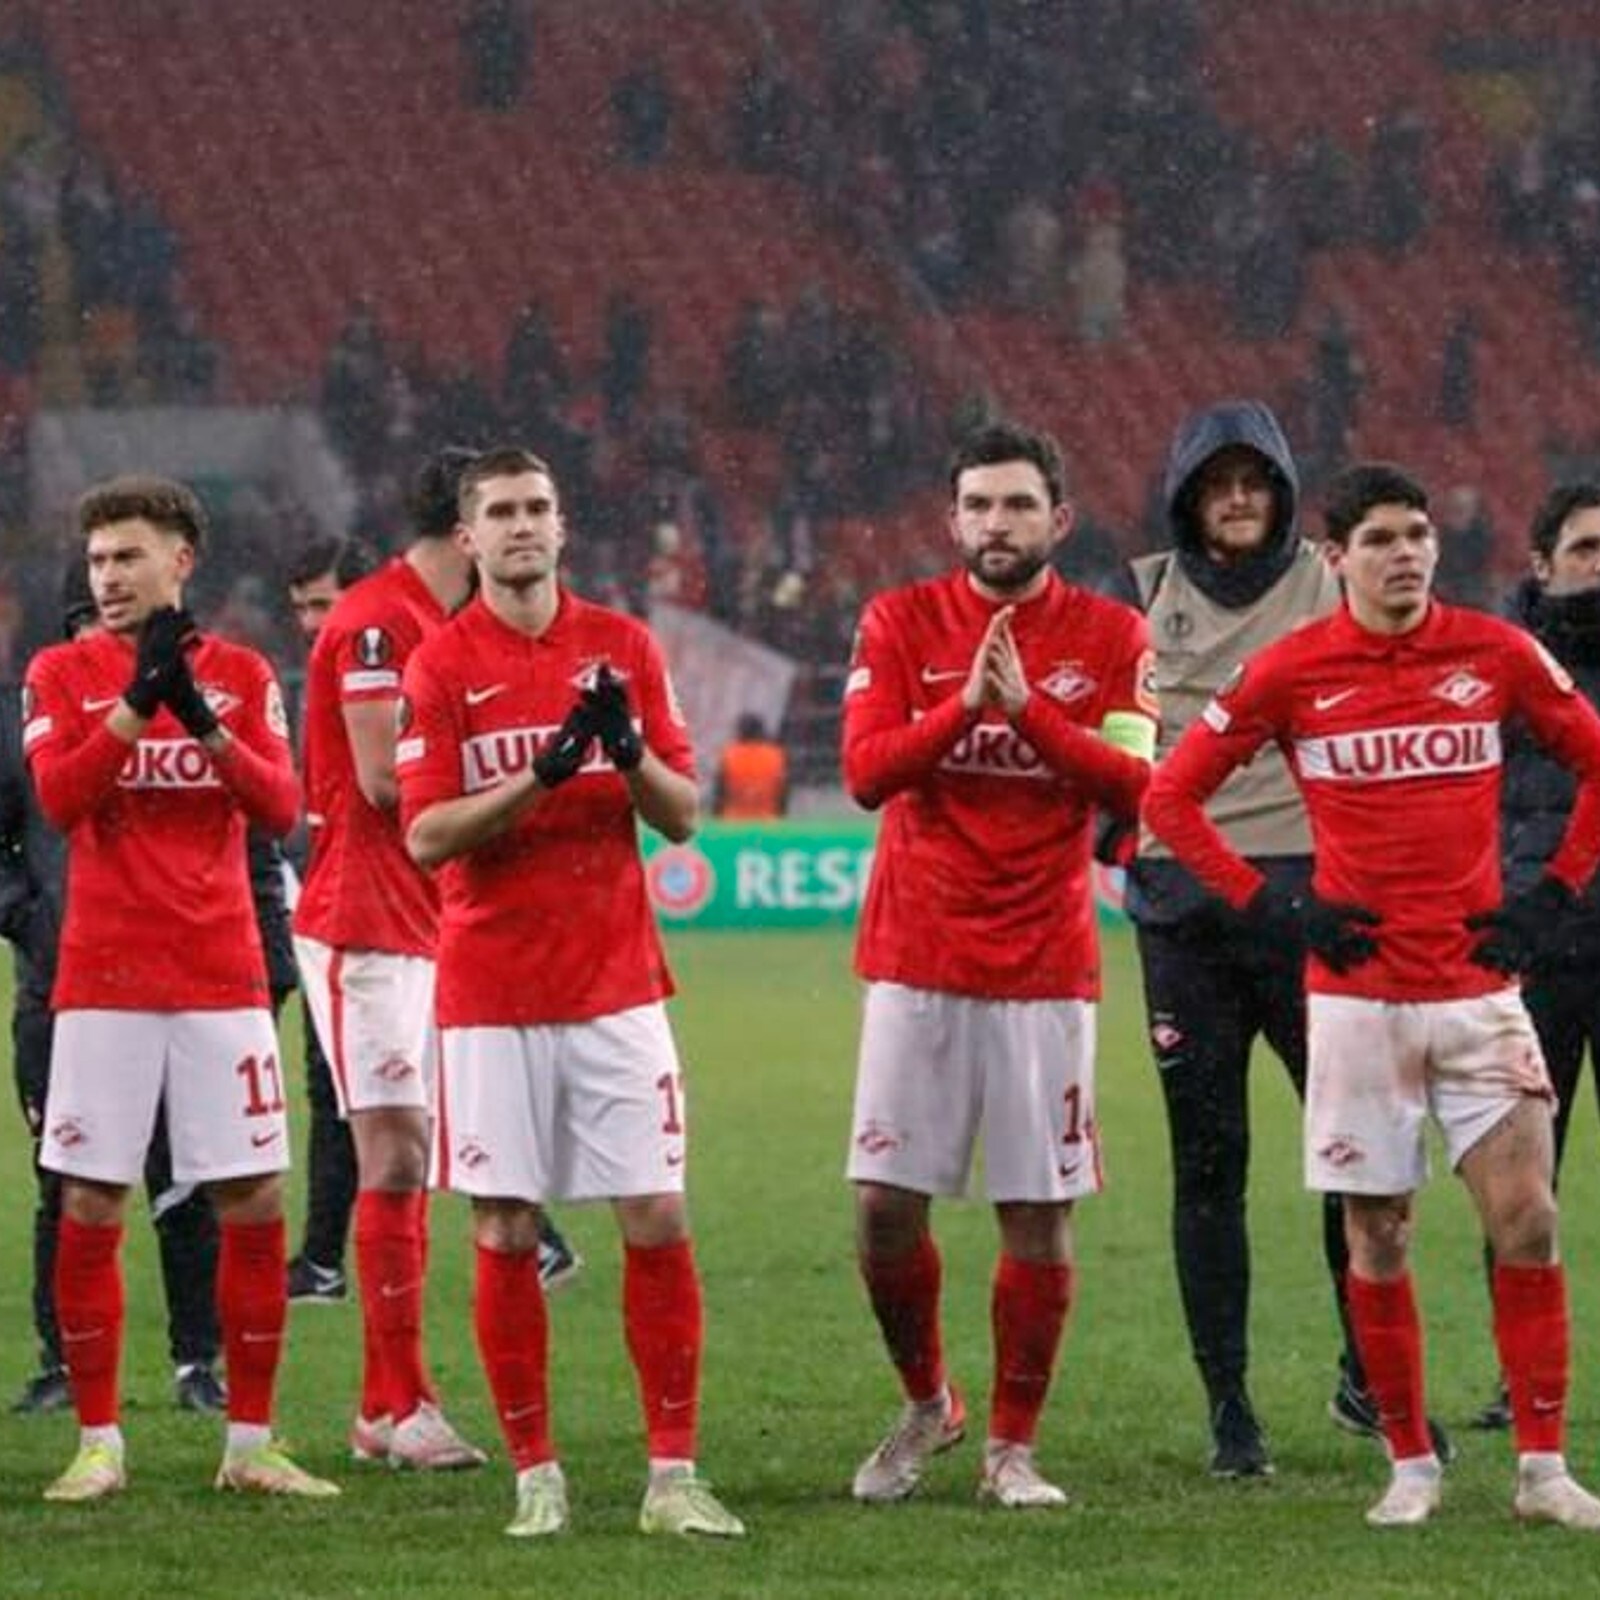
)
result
[(1378, 1067), (373, 1012), (563, 1111), (933, 1067), (219, 1072)]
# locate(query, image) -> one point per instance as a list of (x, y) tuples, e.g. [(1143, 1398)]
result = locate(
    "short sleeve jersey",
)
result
[(550, 922), (159, 915), (361, 890), (981, 880), (1395, 742)]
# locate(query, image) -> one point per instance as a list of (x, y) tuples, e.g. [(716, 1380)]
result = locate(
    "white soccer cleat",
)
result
[(267, 1469), (95, 1472), (681, 1503), (370, 1438), (425, 1442), (1012, 1479), (541, 1502), (1556, 1497), (894, 1469), (1412, 1497)]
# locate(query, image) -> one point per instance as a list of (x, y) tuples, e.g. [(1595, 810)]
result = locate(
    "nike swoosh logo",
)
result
[(1324, 702), (393, 1291), (476, 697), (100, 705), (262, 1140), (69, 1337), (936, 675), (675, 1158)]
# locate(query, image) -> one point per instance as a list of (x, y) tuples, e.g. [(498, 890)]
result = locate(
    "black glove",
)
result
[(183, 698), (164, 636), (607, 703), (1518, 933), (1338, 934), (565, 753)]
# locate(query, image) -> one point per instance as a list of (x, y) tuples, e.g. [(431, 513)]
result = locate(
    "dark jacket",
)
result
[(1538, 793)]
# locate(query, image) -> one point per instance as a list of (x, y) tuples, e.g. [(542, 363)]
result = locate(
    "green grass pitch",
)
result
[(796, 1388)]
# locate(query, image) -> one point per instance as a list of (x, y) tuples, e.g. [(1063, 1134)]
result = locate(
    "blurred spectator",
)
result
[(1338, 376), (762, 117), (352, 385), (625, 366), (1320, 191), (495, 43), (1519, 189), (1458, 371), (756, 364), (752, 775), (641, 104), (1466, 548), (675, 572), (1579, 239), (535, 370), (1100, 283), (1031, 260), (1269, 266), (1397, 193)]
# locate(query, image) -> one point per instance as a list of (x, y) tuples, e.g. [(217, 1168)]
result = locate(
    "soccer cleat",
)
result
[(312, 1284), (267, 1469), (1356, 1412), (1496, 1416), (44, 1392), (195, 1387), (1556, 1497), (892, 1471), (425, 1442), (679, 1502), (1239, 1446), (1412, 1497), (95, 1472), (559, 1263), (370, 1439), (541, 1502), (1011, 1479)]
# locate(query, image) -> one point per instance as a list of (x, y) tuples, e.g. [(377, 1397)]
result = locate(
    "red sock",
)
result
[(1028, 1310), (664, 1323), (389, 1253), (905, 1299), (89, 1309), (514, 1344), (252, 1306), (1532, 1331), (1389, 1337)]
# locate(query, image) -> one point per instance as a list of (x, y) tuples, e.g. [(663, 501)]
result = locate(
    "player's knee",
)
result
[(889, 1222), (1523, 1230), (1379, 1234), (652, 1221)]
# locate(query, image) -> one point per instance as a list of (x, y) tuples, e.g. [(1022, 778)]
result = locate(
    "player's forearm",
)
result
[(266, 788), (1113, 778), (665, 799), (879, 763), (450, 828), (1578, 854), (73, 783), (1174, 810)]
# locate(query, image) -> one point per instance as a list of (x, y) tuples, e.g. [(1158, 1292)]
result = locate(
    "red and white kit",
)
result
[(549, 924), (980, 892), (367, 917), (159, 917), (1405, 728)]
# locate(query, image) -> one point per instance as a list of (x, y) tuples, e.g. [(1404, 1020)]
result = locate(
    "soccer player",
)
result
[(1559, 604), (365, 929), (322, 571), (1237, 577), (989, 712), (540, 728), (1390, 714), (151, 747)]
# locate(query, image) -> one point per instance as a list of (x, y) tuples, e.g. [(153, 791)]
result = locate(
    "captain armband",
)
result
[(1132, 732)]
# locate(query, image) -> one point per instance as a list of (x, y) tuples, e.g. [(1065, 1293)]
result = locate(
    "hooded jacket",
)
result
[(1205, 618)]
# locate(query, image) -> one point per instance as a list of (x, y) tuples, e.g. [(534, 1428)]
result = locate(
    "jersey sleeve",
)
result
[(665, 729), (1244, 714), (427, 752), (1565, 723), (1111, 765), (256, 764), (369, 661), (884, 749), (74, 767)]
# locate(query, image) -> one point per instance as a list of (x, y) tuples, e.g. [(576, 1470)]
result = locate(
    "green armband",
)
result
[(1131, 731)]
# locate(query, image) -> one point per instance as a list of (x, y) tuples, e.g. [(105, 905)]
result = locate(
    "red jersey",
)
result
[(1394, 741), (549, 922), (981, 878), (159, 915), (362, 891)]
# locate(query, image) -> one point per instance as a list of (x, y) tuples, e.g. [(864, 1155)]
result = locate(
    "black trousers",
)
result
[(330, 1159), (186, 1226), (1564, 1002), (1212, 988)]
